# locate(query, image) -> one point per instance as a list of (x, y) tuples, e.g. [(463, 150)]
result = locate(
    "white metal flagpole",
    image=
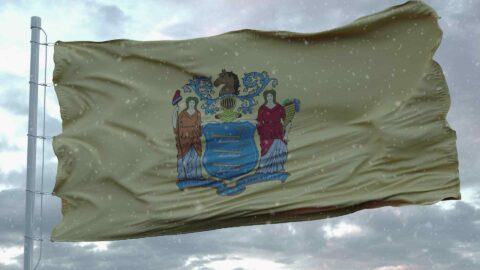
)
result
[(35, 25)]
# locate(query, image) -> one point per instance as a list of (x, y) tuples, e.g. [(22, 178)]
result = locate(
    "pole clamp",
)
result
[(33, 238), (42, 43), (41, 84), (40, 137), (40, 192)]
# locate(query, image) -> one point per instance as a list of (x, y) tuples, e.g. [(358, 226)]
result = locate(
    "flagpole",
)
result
[(35, 26)]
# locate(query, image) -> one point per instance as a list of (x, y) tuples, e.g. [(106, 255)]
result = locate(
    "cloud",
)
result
[(396, 267), (341, 230), (109, 20), (95, 246), (231, 262), (8, 255)]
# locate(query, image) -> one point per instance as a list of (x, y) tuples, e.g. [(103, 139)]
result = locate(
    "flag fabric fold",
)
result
[(251, 127)]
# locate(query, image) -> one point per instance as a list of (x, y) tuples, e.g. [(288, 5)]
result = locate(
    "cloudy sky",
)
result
[(441, 236)]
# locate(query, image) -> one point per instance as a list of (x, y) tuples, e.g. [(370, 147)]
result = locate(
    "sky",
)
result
[(445, 235)]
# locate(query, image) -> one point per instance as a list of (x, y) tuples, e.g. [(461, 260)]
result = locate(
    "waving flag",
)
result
[(251, 127)]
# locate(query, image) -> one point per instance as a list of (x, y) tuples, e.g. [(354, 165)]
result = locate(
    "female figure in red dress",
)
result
[(273, 134)]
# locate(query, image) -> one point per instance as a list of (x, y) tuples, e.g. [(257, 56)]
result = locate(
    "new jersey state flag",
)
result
[(251, 127)]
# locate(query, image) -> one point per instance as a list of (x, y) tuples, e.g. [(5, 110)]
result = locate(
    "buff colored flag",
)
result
[(252, 127)]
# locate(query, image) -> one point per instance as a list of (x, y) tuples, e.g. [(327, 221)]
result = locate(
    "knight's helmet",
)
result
[(228, 102)]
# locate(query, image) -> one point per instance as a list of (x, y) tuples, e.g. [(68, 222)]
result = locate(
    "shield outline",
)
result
[(251, 155)]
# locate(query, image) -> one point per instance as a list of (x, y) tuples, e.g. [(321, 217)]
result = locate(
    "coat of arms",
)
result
[(231, 160)]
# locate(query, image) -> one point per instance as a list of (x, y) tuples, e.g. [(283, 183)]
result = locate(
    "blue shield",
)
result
[(230, 149)]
